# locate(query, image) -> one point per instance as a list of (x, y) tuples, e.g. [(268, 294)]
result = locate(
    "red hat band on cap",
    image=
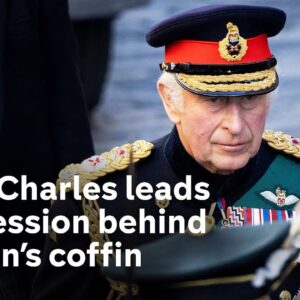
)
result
[(206, 52), (221, 50)]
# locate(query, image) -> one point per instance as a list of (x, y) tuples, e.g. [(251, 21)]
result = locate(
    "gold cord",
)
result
[(119, 158), (230, 83)]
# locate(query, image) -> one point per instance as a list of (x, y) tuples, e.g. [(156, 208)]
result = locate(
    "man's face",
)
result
[(222, 133)]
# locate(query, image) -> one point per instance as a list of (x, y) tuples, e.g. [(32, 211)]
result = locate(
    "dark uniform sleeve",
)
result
[(68, 282)]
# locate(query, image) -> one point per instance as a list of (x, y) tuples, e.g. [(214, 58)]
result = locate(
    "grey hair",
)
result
[(174, 90)]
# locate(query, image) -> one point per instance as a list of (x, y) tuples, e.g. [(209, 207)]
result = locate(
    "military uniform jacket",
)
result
[(168, 162)]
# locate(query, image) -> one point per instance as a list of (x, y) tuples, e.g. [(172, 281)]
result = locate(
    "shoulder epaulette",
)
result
[(283, 142), (118, 158)]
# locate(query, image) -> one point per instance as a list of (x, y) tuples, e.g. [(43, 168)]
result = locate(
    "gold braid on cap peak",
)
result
[(283, 142), (230, 83), (97, 166)]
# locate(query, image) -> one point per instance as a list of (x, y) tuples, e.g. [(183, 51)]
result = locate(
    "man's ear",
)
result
[(171, 109)]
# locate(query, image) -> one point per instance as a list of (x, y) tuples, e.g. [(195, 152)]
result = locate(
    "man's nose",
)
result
[(233, 118)]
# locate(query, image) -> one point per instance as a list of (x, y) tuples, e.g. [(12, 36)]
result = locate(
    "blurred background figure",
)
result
[(92, 20), (44, 124)]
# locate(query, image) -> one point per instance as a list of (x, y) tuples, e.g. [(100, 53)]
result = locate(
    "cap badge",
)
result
[(233, 46)]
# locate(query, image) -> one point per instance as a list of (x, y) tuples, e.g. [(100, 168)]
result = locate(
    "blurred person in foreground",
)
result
[(218, 73), (44, 123)]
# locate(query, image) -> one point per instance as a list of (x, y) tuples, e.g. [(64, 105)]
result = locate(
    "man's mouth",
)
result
[(233, 147)]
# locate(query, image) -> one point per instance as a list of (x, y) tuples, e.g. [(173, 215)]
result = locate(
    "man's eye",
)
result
[(214, 99), (251, 97)]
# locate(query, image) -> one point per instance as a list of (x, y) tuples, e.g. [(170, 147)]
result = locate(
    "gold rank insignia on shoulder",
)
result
[(233, 46), (117, 159), (283, 142)]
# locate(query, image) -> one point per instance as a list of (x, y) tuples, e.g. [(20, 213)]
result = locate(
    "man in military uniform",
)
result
[(216, 92)]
